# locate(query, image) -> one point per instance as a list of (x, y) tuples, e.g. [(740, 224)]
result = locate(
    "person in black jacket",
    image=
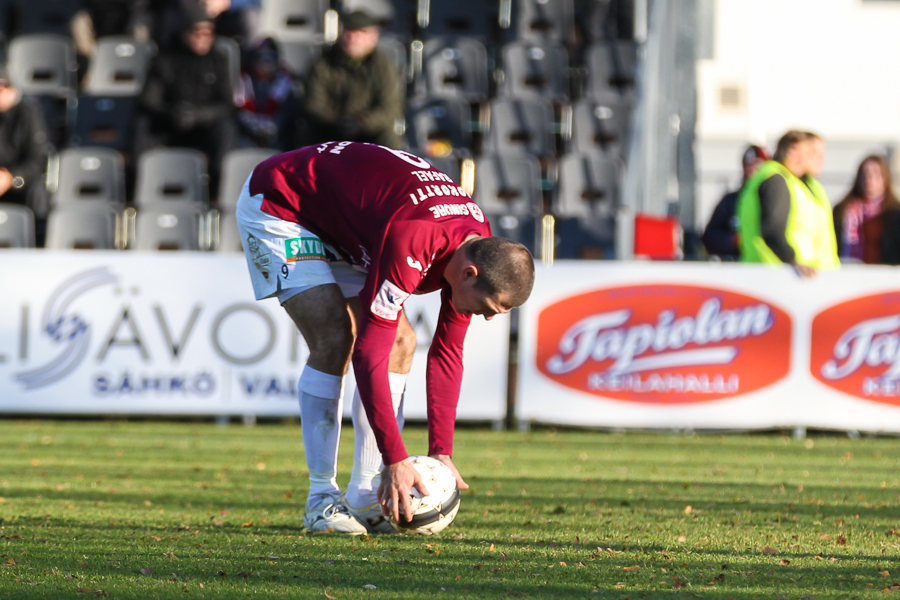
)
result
[(720, 235), (188, 98)]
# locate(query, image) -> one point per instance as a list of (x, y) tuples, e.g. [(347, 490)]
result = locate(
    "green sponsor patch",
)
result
[(304, 249)]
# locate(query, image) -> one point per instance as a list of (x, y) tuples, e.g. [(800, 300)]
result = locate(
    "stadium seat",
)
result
[(382, 11), (522, 124), (471, 18), (602, 124), (536, 69), (16, 226), (236, 168), (438, 126), (395, 49), (43, 65), (455, 67), (611, 66), (119, 67), (229, 234), (508, 190), (299, 55), (232, 51), (106, 121), (44, 16), (172, 176), (587, 201), (294, 19), (170, 227), (87, 225), (545, 21), (90, 174)]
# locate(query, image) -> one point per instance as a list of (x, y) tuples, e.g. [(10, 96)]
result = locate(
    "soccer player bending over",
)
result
[(342, 233)]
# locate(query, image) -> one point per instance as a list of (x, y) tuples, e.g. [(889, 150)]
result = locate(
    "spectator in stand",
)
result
[(859, 217), (721, 234), (268, 109), (101, 18), (785, 216), (23, 148), (188, 99), (352, 92)]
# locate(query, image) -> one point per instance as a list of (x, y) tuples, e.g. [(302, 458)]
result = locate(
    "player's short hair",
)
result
[(504, 266), (788, 141)]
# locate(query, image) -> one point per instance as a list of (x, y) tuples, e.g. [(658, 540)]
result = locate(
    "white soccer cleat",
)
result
[(331, 515), (370, 516)]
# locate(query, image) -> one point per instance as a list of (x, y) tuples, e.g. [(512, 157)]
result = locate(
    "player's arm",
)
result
[(443, 382)]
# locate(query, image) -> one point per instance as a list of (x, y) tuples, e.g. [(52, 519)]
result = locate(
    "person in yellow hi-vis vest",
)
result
[(784, 213)]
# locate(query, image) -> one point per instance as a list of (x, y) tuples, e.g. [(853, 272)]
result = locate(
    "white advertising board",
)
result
[(96, 332), (711, 346)]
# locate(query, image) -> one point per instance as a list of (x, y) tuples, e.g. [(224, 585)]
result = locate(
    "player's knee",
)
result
[(331, 348)]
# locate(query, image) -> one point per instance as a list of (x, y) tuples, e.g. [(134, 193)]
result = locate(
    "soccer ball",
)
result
[(431, 513)]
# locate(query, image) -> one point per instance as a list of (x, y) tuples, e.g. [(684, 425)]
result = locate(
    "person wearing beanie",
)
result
[(353, 92), (268, 106), (188, 98)]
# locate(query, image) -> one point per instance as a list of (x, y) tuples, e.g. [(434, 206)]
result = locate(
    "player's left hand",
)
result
[(445, 458)]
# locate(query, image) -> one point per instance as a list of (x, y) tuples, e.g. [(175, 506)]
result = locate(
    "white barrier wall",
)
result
[(98, 332), (711, 346)]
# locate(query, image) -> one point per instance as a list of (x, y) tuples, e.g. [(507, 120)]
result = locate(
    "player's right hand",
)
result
[(397, 482)]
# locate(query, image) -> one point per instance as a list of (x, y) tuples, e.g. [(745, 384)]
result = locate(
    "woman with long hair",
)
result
[(858, 218)]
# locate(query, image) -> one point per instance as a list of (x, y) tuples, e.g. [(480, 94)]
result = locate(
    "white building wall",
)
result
[(829, 66)]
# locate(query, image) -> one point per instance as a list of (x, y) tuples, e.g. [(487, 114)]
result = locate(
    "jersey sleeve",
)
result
[(444, 377), (403, 263)]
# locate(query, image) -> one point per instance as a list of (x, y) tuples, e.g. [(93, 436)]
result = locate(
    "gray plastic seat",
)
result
[(438, 121), (586, 203), (545, 21), (293, 19), (172, 175), (43, 65), (232, 52), (508, 190), (16, 226), (455, 67), (611, 66), (118, 67), (44, 16), (299, 55), (236, 168), (229, 234), (535, 68), (168, 227), (602, 124), (524, 124), (395, 49), (90, 174), (106, 121), (86, 225), (472, 18)]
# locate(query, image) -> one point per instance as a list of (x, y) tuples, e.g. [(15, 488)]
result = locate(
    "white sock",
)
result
[(320, 419), (367, 464)]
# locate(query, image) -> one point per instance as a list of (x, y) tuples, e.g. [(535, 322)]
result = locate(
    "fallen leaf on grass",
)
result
[(369, 586), (82, 565), (244, 575), (148, 571), (884, 573), (682, 538), (11, 561), (841, 540), (491, 549), (247, 524), (688, 509), (784, 562), (769, 550), (329, 596), (171, 555), (84, 590)]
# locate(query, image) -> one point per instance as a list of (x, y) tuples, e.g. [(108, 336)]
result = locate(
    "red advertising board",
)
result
[(664, 343), (856, 347)]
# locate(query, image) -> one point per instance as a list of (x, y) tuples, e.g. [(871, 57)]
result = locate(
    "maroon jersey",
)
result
[(394, 216)]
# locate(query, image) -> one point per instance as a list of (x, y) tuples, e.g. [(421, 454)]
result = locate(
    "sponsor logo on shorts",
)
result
[(856, 348), (669, 344), (304, 249), (260, 259), (389, 301)]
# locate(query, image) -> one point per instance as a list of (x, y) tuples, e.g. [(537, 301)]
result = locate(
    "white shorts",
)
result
[(285, 258)]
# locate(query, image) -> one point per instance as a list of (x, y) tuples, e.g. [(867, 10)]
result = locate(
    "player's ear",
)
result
[(470, 272)]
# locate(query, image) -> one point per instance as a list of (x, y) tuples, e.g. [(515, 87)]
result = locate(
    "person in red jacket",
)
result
[(401, 228)]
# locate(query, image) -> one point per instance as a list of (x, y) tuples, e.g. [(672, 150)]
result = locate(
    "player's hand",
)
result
[(805, 271), (397, 482), (445, 458)]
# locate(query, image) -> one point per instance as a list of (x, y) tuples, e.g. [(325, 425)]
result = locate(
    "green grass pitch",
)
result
[(192, 510)]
